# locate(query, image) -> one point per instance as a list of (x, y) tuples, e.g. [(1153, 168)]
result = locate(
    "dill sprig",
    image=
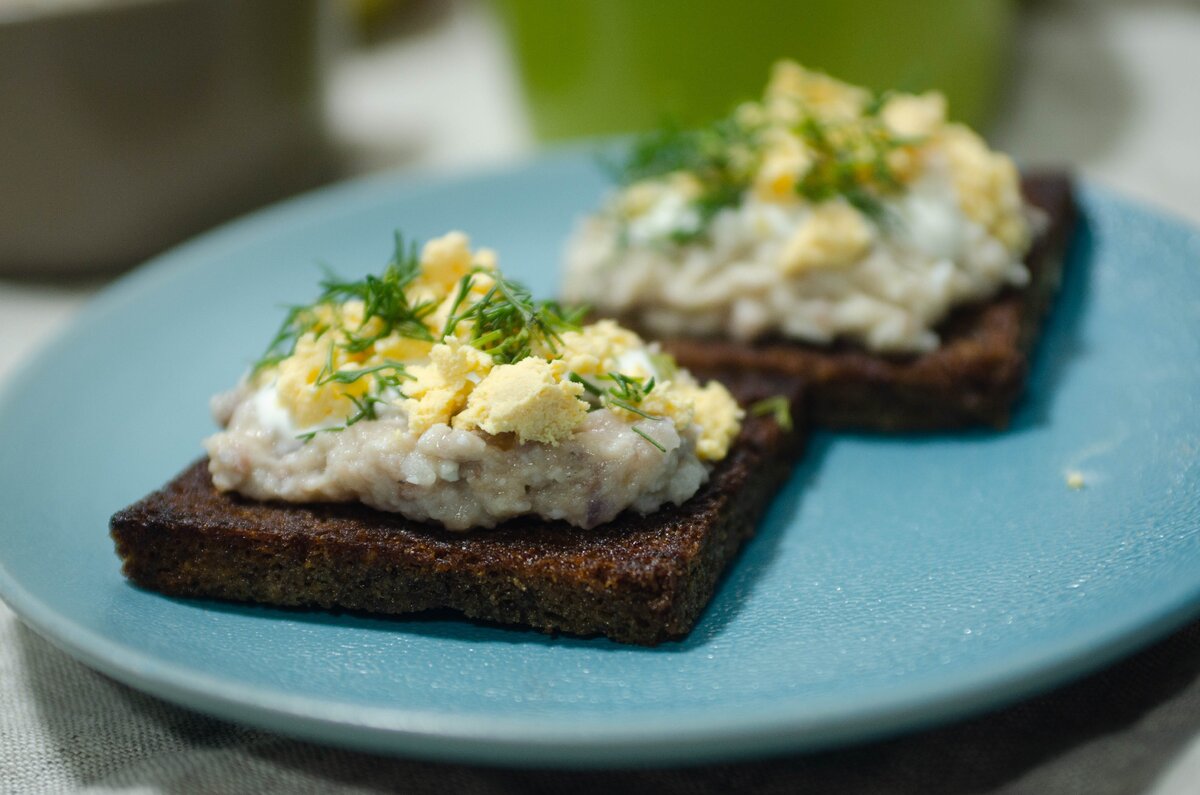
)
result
[(776, 406), (298, 321), (506, 322), (386, 306), (386, 309), (720, 156), (626, 393), (705, 152), (349, 376), (648, 438), (850, 160)]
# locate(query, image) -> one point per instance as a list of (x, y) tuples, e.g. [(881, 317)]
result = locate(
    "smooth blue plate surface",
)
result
[(896, 581)]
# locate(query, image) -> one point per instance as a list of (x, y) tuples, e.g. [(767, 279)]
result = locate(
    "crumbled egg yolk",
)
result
[(526, 399), (595, 350), (802, 111), (312, 401), (296, 385), (987, 184), (447, 379), (793, 90), (915, 115), (785, 159), (832, 236), (720, 414), (440, 389)]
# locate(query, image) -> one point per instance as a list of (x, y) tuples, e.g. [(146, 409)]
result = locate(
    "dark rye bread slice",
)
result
[(973, 378), (638, 579)]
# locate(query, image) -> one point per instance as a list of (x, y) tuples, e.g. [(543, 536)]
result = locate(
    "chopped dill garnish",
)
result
[(704, 152), (385, 301), (778, 407), (629, 388), (626, 393), (506, 323), (386, 309), (850, 161), (283, 344), (720, 156), (398, 373), (648, 438)]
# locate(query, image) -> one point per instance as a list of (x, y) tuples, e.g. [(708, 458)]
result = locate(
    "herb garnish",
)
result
[(386, 309), (626, 393), (778, 406), (507, 324), (850, 160), (648, 438), (722, 157)]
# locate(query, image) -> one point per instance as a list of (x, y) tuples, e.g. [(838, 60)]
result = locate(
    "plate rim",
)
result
[(539, 740), (664, 740)]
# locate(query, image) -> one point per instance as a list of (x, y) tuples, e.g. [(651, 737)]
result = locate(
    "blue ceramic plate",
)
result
[(896, 581)]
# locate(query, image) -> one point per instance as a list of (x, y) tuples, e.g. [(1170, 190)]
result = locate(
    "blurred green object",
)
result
[(606, 66)]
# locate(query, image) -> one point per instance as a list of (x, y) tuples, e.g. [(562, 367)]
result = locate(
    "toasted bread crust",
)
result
[(638, 579), (975, 376)]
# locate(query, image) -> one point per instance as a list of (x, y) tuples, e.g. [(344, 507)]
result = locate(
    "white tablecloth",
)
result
[(1110, 87)]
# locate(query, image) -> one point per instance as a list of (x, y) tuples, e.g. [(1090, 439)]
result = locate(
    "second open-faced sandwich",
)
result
[(858, 241)]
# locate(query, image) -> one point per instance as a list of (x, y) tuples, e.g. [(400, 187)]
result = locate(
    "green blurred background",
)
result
[(604, 66)]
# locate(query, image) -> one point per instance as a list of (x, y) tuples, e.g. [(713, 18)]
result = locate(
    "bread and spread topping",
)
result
[(442, 391), (821, 213)]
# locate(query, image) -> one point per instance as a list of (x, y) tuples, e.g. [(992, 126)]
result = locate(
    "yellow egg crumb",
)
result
[(785, 161), (525, 399), (397, 348), (298, 390), (719, 418), (444, 260), (485, 258), (675, 401), (1075, 480), (595, 349), (915, 115), (440, 389), (832, 99), (988, 185), (834, 235)]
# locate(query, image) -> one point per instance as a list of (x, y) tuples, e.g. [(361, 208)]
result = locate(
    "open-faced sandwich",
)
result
[(434, 437), (858, 241)]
